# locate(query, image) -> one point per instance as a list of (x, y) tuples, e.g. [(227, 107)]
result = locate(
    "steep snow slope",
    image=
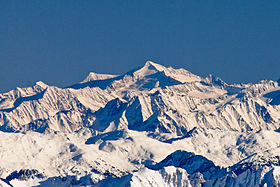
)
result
[(97, 76), (151, 98), (50, 108), (153, 126), (195, 170), (180, 108), (211, 156), (165, 177)]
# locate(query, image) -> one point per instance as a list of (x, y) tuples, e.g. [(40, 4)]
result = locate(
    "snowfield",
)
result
[(153, 126)]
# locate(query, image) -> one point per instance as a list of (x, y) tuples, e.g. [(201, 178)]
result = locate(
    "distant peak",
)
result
[(41, 84), (180, 75), (154, 65), (148, 69), (215, 80), (97, 76)]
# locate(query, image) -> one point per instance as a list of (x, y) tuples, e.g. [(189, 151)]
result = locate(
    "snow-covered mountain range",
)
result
[(153, 126)]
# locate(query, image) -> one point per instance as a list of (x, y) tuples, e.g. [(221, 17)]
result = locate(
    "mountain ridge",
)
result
[(165, 100)]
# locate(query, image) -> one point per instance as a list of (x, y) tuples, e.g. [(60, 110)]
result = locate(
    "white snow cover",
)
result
[(128, 130), (97, 76)]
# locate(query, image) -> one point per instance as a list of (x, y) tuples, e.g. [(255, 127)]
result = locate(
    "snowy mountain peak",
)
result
[(215, 80), (148, 69), (154, 126), (42, 84), (97, 76), (185, 101), (180, 75), (155, 66)]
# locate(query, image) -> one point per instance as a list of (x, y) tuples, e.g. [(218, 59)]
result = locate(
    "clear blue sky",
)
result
[(60, 42)]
